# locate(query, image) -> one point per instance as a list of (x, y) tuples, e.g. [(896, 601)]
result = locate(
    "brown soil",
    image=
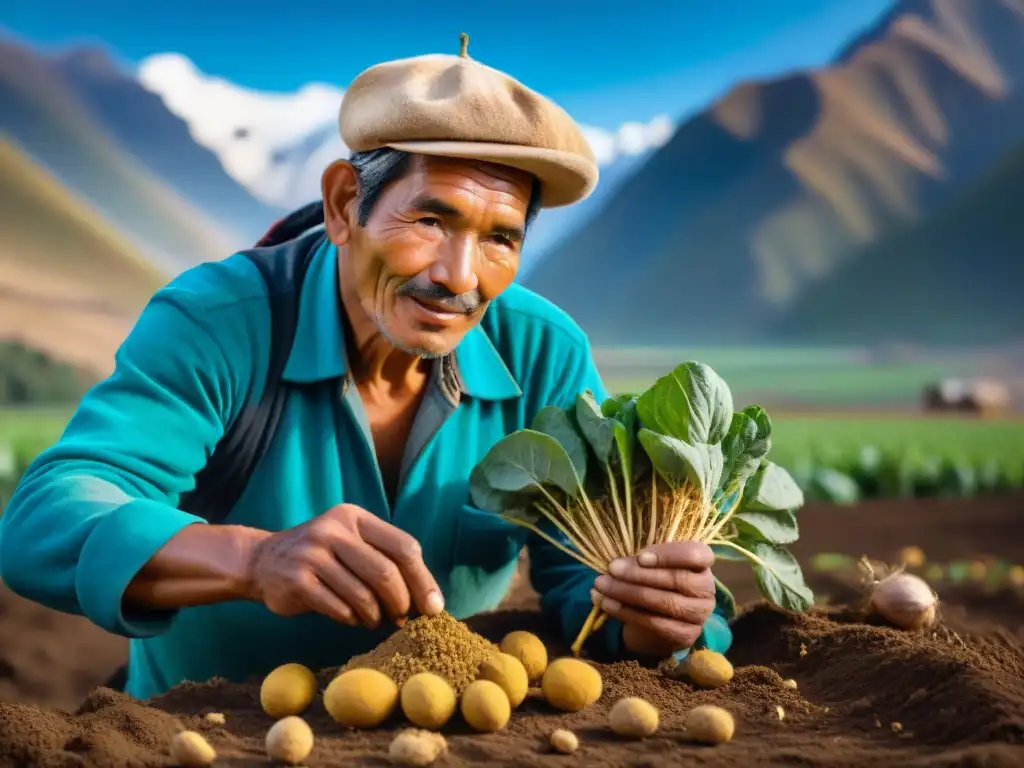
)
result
[(867, 694)]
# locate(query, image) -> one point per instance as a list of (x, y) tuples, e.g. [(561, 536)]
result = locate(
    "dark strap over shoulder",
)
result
[(282, 256)]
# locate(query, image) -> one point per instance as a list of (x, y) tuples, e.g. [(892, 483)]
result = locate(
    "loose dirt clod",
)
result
[(708, 669), (289, 740), (571, 684), (288, 690), (633, 718), (361, 698), (428, 700), (190, 750), (509, 673), (708, 724), (530, 651), (437, 644), (415, 747), (485, 706), (564, 742)]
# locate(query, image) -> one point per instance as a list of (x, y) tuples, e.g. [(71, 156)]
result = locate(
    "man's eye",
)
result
[(429, 221), (503, 240)]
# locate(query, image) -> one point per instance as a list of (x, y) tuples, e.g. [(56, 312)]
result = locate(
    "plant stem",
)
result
[(605, 551), (600, 622), (652, 531), (620, 518), (723, 519), (563, 548), (588, 629), (745, 552), (578, 539)]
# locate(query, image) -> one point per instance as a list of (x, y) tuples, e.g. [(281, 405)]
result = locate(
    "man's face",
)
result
[(442, 242)]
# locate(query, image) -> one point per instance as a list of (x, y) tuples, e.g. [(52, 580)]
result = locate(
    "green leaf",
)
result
[(613, 406), (748, 441), (552, 420), (490, 499), (728, 553), (775, 526), (522, 462), (598, 430), (780, 578), (724, 600), (772, 488), (692, 403), (678, 461)]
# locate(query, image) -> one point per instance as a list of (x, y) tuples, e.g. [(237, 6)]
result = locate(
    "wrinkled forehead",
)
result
[(479, 176)]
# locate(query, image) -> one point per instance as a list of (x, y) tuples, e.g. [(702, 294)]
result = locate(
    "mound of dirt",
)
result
[(866, 695)]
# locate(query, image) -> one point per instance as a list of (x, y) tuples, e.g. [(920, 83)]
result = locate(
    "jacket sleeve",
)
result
[(564, 583), (94, 508)]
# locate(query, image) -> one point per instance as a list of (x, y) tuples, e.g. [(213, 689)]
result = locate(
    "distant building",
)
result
[(984, 396)]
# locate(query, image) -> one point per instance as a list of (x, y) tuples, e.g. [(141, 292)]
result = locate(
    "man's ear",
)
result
[(340, 188)]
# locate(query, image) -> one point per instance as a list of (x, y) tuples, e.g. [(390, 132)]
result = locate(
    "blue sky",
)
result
[(605, 62)]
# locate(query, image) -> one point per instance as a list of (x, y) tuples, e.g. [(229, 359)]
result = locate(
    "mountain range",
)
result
[(752, 222)]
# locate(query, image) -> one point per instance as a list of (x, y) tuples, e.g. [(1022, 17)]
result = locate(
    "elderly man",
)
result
[(277, 470)]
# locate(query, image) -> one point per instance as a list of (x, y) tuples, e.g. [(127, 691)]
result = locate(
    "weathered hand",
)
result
[(344, 564), (663, 596)]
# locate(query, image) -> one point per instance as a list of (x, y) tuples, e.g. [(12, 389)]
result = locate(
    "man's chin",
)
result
[(428, 345)]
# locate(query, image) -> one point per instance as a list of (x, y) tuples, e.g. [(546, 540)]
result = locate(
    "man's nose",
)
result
[(455, 267)]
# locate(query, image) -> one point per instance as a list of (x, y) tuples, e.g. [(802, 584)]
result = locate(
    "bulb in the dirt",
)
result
[(361, 698), (708, 669), (912, 557), (571, 684), (564, 742), (217, 718), (509, 673), (191, 750), (789, 683), (708, 724), (428, 700), (288, 690), (530, 651), (416, 747), (289, 740), (633, 718), (905, 601)]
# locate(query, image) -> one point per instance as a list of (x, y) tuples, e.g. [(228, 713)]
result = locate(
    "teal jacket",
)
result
[(94, 508)]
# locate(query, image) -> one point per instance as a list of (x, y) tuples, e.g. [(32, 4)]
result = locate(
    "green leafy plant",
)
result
[(672, 463)]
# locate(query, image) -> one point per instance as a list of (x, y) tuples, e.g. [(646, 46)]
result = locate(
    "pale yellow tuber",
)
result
[(361, 698), (428, 700), (564, 742), (289, 740), (415, 747), (633, 718), (288, 690), (708, 724), (485, 706), (905, 601), (190, 750), (708, 669), (529, 650), (508, 672), (571, 684), (789, 683), (217, 718)]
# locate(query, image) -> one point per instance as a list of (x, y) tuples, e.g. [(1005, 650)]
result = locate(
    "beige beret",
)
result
[(453, 106)]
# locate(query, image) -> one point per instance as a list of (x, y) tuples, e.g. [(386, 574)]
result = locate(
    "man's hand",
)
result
[(345, 564), (663, 596)]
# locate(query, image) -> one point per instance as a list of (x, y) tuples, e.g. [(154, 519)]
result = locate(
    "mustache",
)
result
[(435, 293)]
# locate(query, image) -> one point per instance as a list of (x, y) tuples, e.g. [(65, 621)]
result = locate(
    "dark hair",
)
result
[(378, 167)]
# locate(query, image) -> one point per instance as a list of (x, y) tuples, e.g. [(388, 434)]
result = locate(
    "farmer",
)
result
[(409, 354)]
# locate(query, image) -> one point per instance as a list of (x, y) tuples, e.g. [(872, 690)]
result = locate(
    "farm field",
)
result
[(949, 697)]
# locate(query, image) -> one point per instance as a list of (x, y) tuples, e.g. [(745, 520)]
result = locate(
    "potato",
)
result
[(413, 747), (190, 750), (708, 669), (485, 706), (428, 700), (789, 683), (571, 684), (289, 740), (288, 690), (216, 718), (361, 698), (529, 650), (564, 742), (708, 724), (508, 672), (633, 718)]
